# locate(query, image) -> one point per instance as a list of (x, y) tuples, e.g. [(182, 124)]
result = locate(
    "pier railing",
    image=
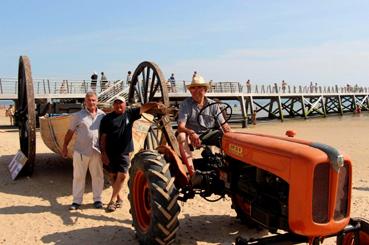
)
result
[(42, 87), (237, 87), (9, 88)]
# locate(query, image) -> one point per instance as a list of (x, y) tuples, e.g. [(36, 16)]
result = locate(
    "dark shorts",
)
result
[(119, 164)]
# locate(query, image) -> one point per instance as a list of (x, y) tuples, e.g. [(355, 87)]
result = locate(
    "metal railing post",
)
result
[(48, 86)]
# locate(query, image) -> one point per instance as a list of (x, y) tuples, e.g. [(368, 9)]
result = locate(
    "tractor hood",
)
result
[(319, 178)]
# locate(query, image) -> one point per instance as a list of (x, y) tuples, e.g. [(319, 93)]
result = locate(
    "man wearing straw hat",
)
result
[(188, 127)]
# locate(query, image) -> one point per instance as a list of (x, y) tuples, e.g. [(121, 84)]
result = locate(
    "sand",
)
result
[(35, 210)]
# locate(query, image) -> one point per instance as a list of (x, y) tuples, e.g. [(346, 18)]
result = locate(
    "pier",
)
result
[(260, 102)]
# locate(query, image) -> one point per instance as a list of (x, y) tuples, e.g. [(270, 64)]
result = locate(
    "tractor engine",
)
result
[(259, 196), (210, 168)]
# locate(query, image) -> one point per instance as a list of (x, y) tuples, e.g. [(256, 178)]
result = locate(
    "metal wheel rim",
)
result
[(142, 199)]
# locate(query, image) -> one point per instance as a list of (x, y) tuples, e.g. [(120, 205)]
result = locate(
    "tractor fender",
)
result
[(177, 168)]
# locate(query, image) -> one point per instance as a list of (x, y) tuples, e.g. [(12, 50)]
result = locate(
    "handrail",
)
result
[(123, 93), (9, 86), (111, 91)]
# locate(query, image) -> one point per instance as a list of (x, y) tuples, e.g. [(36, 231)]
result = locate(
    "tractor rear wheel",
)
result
[(153, 199)]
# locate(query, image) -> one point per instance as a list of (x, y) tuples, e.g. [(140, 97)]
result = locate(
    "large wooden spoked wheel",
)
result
[(26, 114), (149, 85)]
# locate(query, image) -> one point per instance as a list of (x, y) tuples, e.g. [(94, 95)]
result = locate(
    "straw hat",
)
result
[(198, 81)]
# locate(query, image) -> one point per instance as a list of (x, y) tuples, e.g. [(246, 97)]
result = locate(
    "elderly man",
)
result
[(85, 124), (116, 143), (188, 127)]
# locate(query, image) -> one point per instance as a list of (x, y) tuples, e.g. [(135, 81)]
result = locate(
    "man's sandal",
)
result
[(118, 203), (111, 207)]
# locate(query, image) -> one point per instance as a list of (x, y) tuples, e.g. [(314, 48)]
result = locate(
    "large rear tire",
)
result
[(153, 199)]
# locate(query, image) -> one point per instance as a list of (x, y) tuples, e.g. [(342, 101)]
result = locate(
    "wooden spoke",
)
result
[(148, 85)]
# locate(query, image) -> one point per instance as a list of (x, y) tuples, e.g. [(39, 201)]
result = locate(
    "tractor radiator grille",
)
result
[(321, 193), (341, 209)]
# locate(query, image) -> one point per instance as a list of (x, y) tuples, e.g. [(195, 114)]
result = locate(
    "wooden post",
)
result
[(66, 81), (253, 111), (303, 106), (44, 85), (340, 105), (244, 112), (323, 106), (280, 108)]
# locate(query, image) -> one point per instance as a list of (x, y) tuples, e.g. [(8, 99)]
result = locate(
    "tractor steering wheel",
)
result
[(223, 110)]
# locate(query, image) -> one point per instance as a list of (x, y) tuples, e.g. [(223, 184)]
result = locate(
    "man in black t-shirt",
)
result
[(116, 142)]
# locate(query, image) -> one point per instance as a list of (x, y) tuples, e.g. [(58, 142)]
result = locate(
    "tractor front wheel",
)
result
[(153, 199)]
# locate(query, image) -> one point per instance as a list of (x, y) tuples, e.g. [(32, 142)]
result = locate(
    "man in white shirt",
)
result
[(85, 124)]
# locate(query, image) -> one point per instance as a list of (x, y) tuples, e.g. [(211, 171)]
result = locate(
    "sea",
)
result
[(6, 103)]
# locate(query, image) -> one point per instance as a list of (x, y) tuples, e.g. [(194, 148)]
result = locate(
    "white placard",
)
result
[(16, 164)]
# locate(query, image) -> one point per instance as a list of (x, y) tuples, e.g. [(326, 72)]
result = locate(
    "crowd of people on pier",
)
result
[(100, 83)]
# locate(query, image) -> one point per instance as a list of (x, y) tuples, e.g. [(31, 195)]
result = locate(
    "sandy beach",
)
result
[(35, 210)]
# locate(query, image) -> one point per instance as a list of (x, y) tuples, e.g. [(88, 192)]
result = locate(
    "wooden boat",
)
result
[(54, 128)]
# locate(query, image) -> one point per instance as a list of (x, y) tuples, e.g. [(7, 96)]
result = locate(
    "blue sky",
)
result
[(264, 41)]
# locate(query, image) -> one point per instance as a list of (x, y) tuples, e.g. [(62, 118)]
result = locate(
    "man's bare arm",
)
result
[(67, 138), (153, 107), (194, 137), (102, 142)]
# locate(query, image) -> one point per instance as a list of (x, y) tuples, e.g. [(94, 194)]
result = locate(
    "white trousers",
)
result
[(80, 165)]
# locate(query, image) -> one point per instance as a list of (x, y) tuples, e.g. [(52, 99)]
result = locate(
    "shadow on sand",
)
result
[(361, 188), (94, 235), (51, 170), (218, 229)]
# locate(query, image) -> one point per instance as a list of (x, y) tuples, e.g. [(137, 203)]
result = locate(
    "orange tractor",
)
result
[(278, 183)]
